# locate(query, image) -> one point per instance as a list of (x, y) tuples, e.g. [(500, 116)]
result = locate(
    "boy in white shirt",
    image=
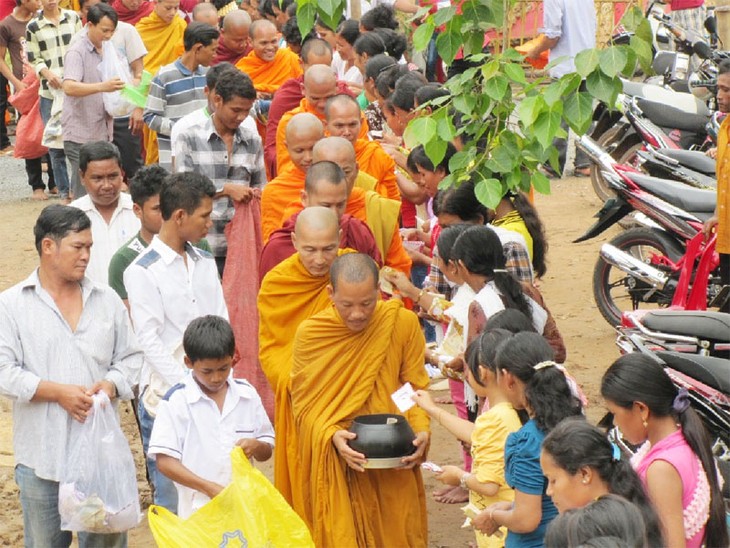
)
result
[(205, 416)]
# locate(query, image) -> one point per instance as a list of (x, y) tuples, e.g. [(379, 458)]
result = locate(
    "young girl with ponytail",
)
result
[(581, 465), (676, 464), (529, 380)]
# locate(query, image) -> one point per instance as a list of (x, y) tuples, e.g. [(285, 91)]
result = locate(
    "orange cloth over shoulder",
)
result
[(163, 41), (373, 160), (337, 375), (282, 154), (267, 76), (289, 295), (382, 215), (277, 195)]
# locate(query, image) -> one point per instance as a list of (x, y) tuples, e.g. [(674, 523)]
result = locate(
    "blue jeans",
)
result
[(164, 492), (58, 158), (42, 522)]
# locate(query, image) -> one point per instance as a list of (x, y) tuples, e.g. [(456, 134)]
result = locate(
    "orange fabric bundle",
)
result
[(267, 76)]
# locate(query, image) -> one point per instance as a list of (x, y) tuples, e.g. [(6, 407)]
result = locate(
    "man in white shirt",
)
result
[(169, 285), (63, 338), (113, 221)]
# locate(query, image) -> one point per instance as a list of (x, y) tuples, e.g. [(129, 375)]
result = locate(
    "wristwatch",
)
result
[(463, 479)]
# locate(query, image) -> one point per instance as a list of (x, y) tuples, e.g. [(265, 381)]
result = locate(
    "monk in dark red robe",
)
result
[(354, 234), (233, 43), (131, 11)]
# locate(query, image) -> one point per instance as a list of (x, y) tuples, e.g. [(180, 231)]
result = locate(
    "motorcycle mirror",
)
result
[(703, 50), (711, 24)]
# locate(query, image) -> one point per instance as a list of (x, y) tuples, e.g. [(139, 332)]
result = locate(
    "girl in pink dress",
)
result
[(675, 463)]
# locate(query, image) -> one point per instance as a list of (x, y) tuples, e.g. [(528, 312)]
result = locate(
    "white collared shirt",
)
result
[(574, 23), (190, 427), (37, 344), (108, 238), (165, 295)]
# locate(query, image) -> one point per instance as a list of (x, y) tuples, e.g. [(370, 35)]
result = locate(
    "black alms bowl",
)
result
[(383, 436)]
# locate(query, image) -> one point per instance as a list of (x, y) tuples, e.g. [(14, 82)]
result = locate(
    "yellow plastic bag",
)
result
[(249, 512)]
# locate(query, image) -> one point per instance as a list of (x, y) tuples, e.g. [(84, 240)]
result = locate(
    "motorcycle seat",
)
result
[(691, 200), (714, 372), (670, 117), (697, 161), (711, 326), (686, 102)]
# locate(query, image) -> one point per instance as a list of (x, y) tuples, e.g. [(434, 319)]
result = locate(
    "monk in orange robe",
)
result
[(381, 214), (324, 186), (162, 33), (267, 64), (301, 136), (320, 83), (343, 120), (347, 361), (290, 293)]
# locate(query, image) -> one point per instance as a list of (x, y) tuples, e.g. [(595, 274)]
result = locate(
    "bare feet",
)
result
[(443, 399), (53, 191), (39, 194), (455, 495)]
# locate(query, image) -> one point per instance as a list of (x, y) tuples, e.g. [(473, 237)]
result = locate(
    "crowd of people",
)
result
[(254, 258)]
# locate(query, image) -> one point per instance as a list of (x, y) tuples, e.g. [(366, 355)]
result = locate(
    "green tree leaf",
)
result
[(465, 103), (515, 73), (502, 159), (578, 112), (329, 7), (462, 159), (586, 62), (547, 125), (420, 130), (496, 87), (435, 150), (441, 17), (632, 18), (306, 15), (540, 182), (446, 129), (643, 51), (489, 192), (631, 59), (644, 32), (490, 68), (530, 108), (612, 60), (553, 93), (422, 36), (604, 88), (449, 42)]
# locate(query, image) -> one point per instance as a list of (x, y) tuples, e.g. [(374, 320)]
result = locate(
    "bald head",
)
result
[(302, 133), (262, 36), (261, 27), (206, 13), (343, 117), (316, 238), (237, 19), (354, 269), (320, 83), (321, 173), (234, 34), (315, 51), (341, 152), (319, 75)]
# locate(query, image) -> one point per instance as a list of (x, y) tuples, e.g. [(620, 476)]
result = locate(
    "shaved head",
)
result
[(343, 117), (320, 83), (237, 19), (354, 268), (206, 13), (323, 172), (341, 152), (317, 238), (262, 35), (316, 51), (302, 133), (318, 75), (260, 27)]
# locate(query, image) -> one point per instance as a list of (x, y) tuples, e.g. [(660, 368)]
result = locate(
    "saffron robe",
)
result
[(163, 41), (277, 195), (132, 17), (373, 160), (338, 375), (282, 154), (289, 295), (354, 234), (267, 76)]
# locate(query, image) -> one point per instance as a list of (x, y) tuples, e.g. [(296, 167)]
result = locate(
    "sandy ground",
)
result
[(566, 287)]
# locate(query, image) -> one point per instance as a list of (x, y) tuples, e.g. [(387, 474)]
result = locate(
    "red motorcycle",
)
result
[(664, 261)]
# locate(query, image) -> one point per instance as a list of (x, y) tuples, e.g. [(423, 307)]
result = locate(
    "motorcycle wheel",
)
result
[(615, 291), (617, 150)]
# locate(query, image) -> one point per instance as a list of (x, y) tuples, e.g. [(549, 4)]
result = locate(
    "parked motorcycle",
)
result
[(663, 262)]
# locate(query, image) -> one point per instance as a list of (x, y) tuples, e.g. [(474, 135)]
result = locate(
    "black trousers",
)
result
[(130, 147)]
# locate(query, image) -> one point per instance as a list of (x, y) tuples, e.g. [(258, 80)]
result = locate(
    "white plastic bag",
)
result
[(98, 491), (53, 133), (112, 66)]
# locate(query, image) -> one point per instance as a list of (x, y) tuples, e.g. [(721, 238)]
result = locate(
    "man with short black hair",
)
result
[(170, 284), (63, 338), (113, 221), (84, 117), (179, 88)]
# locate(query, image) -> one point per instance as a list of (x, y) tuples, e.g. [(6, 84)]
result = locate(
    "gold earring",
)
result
[(585, 481), (646, 424)]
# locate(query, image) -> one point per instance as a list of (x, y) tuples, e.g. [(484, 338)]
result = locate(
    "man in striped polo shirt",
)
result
[(179, 88)]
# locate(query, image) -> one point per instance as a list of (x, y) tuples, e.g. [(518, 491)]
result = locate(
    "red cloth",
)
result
[(226, 55), (686, 4), (129, 16), (355, 235), (408, 214), (240, 289), (286, 98), (6, 8)]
